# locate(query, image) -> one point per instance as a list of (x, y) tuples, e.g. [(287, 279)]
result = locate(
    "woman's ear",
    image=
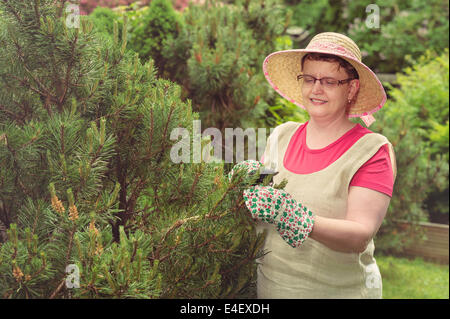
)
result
[(353, 89), (352, 94)]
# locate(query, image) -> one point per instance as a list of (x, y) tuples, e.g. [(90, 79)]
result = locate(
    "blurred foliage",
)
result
[(218, 55), (283, 111), (416, 123), (150, 27), (88, 6), (406, 28), (103, 20)]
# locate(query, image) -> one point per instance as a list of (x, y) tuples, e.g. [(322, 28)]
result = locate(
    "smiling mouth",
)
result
[(318, 101)]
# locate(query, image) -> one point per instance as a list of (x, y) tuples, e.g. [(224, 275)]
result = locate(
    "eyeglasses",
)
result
[(327, 83)]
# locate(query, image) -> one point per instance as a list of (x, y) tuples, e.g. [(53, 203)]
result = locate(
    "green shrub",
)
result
[(414, 120), (150, 27), (218, 57), (103, 20), (283, 111), (406, 30)]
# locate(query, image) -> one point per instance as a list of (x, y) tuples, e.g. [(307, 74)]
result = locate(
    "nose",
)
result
[(317, 86)]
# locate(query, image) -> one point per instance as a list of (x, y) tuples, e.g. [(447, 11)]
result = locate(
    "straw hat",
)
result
[(282, 68)]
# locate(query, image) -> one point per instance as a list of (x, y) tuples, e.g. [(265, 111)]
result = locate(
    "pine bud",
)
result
[(94, 129), (73, 108), (115, 32), (109, 279), (35, 243), (13, 237), (81, 171), (154, 268), (73, 213), (28, 239), (90, 139), (63, 164), (17, 272), (114, 195), (50, 26), (136, 62), (92, 228), (70, 197), (138, 264), (78, 246), (124, 35), (102, 130), (57, 205)]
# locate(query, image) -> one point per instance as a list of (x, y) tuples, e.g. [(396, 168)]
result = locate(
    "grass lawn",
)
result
[(413, 278)]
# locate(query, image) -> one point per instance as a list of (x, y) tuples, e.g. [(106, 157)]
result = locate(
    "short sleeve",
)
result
[(377, 173)]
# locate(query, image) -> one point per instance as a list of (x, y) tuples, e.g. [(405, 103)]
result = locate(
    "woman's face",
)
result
[(325, 102)]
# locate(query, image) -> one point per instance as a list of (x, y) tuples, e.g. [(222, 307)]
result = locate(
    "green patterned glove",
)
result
[(293, 221)]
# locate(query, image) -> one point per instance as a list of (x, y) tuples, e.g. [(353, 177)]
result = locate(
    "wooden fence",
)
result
[(434, 247)]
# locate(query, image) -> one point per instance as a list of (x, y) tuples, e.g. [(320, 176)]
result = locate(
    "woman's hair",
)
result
[(351, 71)]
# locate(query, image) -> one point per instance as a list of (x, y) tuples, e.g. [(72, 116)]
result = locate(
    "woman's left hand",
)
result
[(293, 221)]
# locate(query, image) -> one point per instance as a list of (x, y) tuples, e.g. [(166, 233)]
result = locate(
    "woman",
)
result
[(340, 176)]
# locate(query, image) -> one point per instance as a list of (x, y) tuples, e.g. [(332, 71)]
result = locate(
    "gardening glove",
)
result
[(293, 221)]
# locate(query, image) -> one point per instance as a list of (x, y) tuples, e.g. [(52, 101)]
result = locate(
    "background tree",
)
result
[(416, 122), (217, 58), (407, 29), (154, 25), (86, 176)]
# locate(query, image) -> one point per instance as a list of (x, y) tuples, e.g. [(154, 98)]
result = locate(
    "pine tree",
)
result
[(86, 178)]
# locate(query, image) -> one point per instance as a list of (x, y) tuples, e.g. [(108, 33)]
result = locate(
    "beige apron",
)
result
[(313, 270)]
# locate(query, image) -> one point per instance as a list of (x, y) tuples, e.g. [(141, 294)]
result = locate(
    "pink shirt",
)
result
[(375, 174)]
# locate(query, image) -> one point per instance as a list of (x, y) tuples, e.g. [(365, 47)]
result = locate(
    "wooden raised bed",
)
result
[(435, 247)]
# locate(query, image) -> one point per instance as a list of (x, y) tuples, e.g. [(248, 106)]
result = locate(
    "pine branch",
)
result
[(61, 4), (69, 70), (36, 12), (194, 185), (164, 136), (12, 115), (45, 92), (15, 13), (3, 234), (58, 289), (17, 169)]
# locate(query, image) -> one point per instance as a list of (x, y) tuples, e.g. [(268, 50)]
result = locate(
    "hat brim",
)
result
[(282, 68)]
